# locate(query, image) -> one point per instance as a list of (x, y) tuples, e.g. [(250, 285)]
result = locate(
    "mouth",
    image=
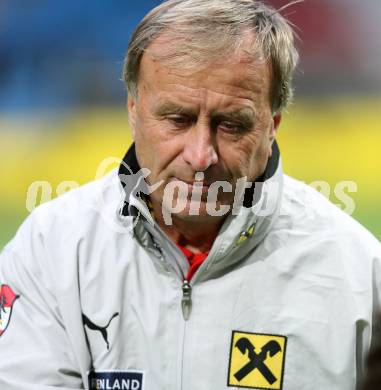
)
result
[(196, 186)]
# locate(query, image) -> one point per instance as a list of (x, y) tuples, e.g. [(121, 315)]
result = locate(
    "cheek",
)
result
[(250, 157), (259, 159), (146, 144), (155, 150)]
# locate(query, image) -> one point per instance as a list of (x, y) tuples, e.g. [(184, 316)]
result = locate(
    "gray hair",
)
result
[(203, 31)]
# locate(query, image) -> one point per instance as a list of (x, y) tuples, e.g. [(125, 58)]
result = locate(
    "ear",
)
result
[(273, 132), (131, 107)]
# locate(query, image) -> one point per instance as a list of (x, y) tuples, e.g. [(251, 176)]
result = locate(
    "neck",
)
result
[(195, 234)]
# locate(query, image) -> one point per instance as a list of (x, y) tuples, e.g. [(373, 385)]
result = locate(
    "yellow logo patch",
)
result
[(257, 360)]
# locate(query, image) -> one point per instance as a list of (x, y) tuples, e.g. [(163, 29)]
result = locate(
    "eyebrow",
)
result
[(173, 108), (244, 115)]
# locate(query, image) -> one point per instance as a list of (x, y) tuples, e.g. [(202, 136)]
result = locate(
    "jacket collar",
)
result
[(241, 232), (130, 166)]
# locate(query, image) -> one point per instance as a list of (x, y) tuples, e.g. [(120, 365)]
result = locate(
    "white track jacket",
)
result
[(93, 296)]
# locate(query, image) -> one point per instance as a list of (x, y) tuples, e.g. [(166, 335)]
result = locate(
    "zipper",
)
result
[(182, 356), (186, 308), (186, 301)]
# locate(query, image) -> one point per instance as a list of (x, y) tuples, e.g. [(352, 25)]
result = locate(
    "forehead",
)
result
[(239, 74)]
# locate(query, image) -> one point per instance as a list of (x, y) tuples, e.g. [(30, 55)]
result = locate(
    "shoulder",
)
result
[(306, 211), (83, 206), (80, 215), (83, 199)]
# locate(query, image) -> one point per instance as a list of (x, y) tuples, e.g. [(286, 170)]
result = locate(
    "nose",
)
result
[(200, 150)]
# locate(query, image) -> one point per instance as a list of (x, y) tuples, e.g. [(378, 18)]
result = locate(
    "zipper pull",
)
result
[(186, 302)]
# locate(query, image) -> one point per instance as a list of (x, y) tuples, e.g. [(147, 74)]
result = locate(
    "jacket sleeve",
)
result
[(35, 352)]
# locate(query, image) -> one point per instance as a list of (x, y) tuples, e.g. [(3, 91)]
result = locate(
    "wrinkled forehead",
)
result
[(243, 66), (175, 48)]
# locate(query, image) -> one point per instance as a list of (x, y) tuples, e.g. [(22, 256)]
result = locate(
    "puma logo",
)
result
[(102, 329)]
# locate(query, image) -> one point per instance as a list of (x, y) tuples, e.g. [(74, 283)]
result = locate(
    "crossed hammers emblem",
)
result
[(257, 360)]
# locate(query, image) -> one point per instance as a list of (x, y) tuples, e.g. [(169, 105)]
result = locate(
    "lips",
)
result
[(192, 182), (195, 186), (196, 183)]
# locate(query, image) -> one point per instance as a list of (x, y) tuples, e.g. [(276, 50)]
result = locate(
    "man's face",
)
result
[(216, 120)]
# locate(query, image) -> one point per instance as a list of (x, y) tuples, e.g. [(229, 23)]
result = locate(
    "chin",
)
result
[(193, 212), (201, 218)]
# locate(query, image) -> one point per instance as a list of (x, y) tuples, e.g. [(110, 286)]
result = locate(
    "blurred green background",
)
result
[(62, 105)]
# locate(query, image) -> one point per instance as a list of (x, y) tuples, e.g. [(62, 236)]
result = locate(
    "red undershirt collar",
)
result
[(194, 259)]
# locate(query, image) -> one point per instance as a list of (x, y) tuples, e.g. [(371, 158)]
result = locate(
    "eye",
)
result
[(232, 127), (179, 120)]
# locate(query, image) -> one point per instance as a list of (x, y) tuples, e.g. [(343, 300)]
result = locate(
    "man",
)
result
[(199, 265)]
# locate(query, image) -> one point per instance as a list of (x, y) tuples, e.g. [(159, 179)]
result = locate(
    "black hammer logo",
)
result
[(257, 361), (101, 329)]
